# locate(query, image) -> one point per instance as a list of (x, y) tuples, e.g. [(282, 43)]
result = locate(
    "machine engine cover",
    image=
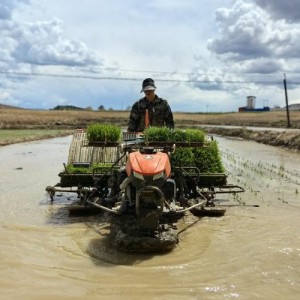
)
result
[(148, 164)]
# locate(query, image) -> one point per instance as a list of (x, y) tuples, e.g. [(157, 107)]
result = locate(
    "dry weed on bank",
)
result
[(52, 119), (39, 124)]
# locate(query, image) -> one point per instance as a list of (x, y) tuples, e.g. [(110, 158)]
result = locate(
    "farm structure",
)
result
[(251, 106)]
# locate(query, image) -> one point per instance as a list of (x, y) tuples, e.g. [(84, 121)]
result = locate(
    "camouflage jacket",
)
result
[(160, 114)]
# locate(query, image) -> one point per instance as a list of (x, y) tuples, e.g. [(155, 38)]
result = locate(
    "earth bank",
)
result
[(46, 124), (289, 139)]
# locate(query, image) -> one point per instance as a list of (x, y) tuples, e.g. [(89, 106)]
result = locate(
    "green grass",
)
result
[(10, 136), (156, 134), (103, 133), (207, 158), (101, 168)]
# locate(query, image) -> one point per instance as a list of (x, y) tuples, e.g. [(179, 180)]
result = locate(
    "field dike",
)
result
[(289, 139)]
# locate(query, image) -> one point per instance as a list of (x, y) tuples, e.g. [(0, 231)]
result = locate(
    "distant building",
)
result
[(251, 106), (251, 102), (293, 107)]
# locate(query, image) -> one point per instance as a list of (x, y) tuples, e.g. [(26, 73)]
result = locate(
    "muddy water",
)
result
[(250, 253)]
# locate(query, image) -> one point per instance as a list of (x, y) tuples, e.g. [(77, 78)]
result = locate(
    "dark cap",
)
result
[(148, 85)]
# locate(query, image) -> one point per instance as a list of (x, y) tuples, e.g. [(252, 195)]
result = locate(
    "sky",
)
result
[(205, 56)]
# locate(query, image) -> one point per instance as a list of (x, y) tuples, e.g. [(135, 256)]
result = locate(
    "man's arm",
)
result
[(169, 117), (133, 118)]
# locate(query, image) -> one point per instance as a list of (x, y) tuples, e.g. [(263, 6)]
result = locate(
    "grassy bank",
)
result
[(19, 125), (12, 136), (289, 139), (50, 119)]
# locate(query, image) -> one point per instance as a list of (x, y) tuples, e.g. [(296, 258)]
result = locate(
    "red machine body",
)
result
[(148, 164)]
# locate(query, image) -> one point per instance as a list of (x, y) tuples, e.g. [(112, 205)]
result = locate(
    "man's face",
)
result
[(150, 95)]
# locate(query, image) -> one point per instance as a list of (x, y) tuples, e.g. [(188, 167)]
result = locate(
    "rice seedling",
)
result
[(103, 133), (207, 159), (158, 134), (194, 135), (71, 169)]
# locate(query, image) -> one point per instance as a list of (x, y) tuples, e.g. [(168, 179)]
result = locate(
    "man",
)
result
[(150, 110)]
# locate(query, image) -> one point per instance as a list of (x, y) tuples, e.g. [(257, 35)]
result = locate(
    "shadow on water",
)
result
[(103, 249), (99, 242), (66, 209), (96, 235), (69, 214)]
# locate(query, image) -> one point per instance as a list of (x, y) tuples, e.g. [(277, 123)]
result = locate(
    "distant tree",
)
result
[(128, 108), (67, 107), (89, 108), (110, 109), (101, 107)]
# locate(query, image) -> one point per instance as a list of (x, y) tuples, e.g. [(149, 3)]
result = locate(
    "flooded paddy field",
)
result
[(250, 253)]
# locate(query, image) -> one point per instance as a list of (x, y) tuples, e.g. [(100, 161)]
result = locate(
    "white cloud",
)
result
[(7, 7), (248, 32), (43, 43), (252, 49), (166, 40), (40, 42), (288, 9)]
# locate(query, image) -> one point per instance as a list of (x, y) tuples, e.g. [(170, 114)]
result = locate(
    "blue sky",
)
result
[(205, 56)]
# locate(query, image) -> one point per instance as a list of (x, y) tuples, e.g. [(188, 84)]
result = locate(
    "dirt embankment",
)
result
[(53, 119), (72, 120), (286, 138)]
